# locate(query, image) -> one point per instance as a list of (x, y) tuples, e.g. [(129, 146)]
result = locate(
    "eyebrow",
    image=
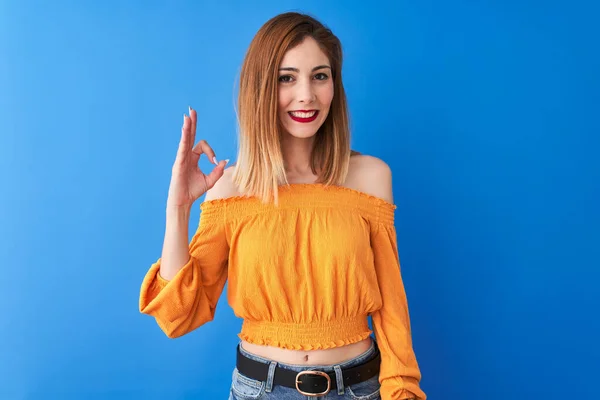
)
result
[(297, 70)]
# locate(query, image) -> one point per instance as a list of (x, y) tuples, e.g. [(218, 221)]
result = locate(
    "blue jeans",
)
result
[(244, 388)]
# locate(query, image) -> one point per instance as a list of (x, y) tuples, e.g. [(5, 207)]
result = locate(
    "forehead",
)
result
[(305, 56)]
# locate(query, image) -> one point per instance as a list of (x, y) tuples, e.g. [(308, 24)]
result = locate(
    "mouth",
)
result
[(303, 116)]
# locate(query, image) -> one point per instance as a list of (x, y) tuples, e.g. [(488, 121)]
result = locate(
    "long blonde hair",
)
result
[(259, 167)]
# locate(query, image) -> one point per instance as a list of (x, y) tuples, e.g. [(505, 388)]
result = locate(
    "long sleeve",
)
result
[(189, 300), (399, 373)]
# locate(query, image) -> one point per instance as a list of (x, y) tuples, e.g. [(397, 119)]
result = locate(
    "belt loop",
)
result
[(339, 379), (271, 376)]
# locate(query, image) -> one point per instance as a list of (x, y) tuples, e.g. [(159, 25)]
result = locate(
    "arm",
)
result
[(175, 252), (399, 374), (182, 289)]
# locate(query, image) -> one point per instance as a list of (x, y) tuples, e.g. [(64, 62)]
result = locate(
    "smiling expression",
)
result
[(305, 89)]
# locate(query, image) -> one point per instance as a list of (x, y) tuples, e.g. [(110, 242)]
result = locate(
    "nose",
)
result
[(305, 92)]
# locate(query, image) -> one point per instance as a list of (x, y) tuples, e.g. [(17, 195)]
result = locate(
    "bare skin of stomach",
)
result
[(331, 356)]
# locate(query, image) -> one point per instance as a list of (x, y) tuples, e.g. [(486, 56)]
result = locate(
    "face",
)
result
[(305, 89)]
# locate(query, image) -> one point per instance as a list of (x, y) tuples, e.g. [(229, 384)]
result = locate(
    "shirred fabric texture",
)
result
[(302, 275)]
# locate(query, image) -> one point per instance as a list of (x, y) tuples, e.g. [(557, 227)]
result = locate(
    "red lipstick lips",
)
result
[(304, 120)]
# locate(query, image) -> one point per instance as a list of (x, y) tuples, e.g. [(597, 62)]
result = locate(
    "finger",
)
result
[(183, 140), (203, 147), (216, 173), (193, 119)]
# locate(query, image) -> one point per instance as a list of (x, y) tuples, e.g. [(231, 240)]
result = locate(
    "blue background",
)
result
[(487, 113)]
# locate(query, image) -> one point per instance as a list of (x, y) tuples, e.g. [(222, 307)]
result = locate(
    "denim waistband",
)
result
[(370, 353)]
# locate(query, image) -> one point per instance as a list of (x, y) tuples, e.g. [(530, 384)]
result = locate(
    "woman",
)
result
[(302, 229)]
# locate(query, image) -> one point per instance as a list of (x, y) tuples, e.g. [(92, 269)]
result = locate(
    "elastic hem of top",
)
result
[(306, 336)]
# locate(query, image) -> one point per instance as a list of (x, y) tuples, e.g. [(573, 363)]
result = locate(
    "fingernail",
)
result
[(215, 160), (184, 118), (190, 110), (226, 161)]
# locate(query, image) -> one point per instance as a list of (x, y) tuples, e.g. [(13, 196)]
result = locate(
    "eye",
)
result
[(283, 78), (288, 78)]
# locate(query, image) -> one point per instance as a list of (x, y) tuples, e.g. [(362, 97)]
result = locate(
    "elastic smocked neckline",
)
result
[(306, 196), (308, 187)]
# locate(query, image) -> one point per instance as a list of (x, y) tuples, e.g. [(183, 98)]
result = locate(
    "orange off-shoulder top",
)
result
[(303, 275)]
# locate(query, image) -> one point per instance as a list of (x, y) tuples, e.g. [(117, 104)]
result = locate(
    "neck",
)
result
[(296, 156)]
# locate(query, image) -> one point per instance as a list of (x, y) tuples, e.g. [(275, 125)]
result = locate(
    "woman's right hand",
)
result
[(188, 182)]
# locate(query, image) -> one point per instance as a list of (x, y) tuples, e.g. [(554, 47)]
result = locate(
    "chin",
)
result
[(301, 134)]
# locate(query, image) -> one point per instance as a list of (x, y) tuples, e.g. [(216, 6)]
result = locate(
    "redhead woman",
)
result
[(302, 229)]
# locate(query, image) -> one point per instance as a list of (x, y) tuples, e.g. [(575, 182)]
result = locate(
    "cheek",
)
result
[(326, 95), (283, 100)]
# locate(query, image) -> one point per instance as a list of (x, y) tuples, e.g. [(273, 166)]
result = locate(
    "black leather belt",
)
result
[(310, 382)]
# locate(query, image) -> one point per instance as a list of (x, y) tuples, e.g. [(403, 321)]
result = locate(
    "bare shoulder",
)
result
[(371, 175), (224, 187)]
